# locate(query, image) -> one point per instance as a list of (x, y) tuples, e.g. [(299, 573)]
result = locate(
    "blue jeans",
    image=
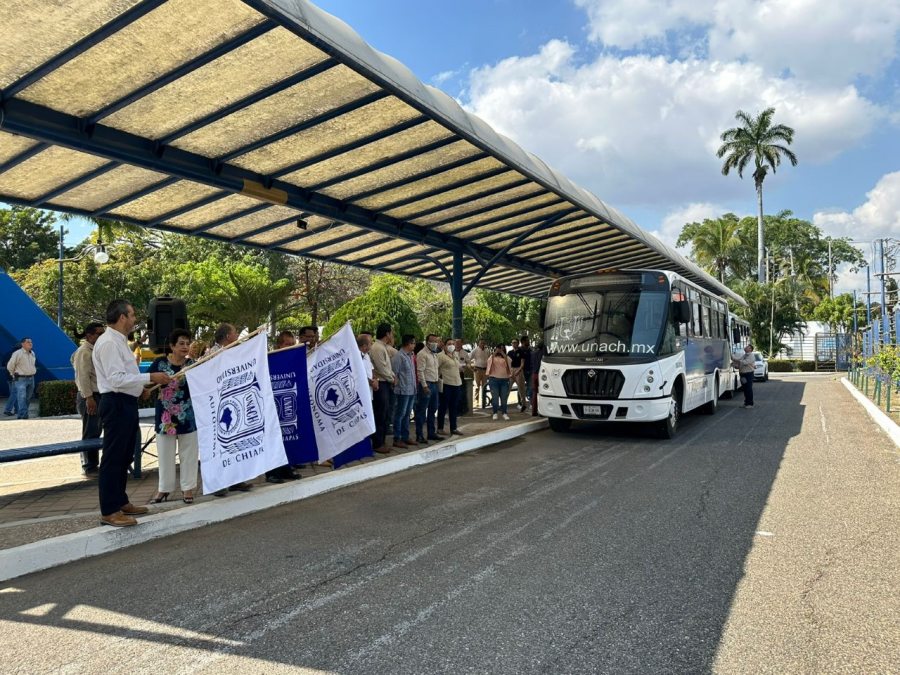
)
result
[(402, 410), (12, 403), (499, 393), (426, 409), (747, 381), (24, 391)]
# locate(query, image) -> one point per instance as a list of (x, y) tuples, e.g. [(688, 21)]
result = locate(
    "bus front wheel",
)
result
[(669, 426), (560, 425)]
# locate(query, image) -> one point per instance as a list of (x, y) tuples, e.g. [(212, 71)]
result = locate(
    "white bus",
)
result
[(739, 334), (632, 346)]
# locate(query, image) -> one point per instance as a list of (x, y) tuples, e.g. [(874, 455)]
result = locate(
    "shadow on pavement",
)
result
[(615, 553)]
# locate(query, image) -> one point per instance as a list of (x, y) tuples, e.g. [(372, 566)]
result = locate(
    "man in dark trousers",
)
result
[(120, 383), (87, 400)]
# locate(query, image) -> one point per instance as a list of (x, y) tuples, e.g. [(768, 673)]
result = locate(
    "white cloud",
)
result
[(823, 40), (878, 217), (629, 23), (672, 224), (644, 130)]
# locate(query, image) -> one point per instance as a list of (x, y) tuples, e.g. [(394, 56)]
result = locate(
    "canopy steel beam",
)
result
[(50, 126), (442, 190), (422, 175), (266, 228), (304, 125), (81, 180), (23, 156), (143, 192), (384, 163), (490, 192), (250, 99), (193, 64), (249, 211), (512, 201), (126, 18), (353, 145)]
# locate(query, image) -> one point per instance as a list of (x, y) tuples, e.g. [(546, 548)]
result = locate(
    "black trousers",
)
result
[(381, 406), (449, 403), (747, 381), (90, 428), (119, 416)]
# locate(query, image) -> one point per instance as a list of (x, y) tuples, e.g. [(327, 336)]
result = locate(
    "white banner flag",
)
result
[(339, 394), (237, 421)]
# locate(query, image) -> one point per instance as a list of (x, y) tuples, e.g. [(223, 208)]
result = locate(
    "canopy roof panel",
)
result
[(272, 124)]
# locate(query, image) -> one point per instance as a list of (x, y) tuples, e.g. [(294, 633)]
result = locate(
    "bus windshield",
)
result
[(615, 322)]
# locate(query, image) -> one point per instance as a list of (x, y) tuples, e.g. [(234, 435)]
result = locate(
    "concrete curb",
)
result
[(880, 418), (42, 555)]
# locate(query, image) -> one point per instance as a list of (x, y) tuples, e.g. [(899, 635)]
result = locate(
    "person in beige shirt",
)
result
[(87, 400), (380, 355), (428, 399), (451, 386), (746, 365), (22, 368)]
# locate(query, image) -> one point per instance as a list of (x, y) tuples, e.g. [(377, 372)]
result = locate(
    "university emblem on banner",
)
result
[(285, 392), (240, 423), (336, 390)]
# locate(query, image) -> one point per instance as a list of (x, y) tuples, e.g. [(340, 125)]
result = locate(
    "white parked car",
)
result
[(761, 372)]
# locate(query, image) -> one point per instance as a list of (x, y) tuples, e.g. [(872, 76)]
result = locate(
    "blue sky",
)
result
[(628, 97)]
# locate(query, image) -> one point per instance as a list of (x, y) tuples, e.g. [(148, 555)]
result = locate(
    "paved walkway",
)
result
[(48, 497)]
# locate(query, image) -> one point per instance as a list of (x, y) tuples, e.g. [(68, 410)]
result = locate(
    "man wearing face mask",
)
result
[(427, 385), (448, 371)]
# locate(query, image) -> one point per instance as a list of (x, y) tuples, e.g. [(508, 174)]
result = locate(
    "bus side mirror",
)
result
[(682, 311)]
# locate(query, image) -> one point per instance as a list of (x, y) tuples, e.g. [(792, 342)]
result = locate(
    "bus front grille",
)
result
[(593, 383)]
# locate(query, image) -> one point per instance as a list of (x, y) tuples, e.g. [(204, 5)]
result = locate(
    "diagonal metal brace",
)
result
[(485, 266)]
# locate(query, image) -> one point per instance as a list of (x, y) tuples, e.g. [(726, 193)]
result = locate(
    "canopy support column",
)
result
[(457, 294)]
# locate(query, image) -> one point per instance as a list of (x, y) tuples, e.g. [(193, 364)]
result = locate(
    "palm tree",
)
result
[(715, 243), (757, 139)]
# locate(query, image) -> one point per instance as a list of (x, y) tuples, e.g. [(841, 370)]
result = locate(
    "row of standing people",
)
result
[(109, 384), (424, 380)]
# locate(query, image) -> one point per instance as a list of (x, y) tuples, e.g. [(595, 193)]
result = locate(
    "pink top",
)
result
[(499, 366)]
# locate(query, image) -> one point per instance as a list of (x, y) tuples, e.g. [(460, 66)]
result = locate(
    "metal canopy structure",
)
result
[(271, 124)]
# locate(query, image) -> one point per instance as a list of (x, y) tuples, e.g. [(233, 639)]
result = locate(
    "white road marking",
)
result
[(824, 426)]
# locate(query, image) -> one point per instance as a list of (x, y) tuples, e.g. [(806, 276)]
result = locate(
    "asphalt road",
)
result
[(760, 540)]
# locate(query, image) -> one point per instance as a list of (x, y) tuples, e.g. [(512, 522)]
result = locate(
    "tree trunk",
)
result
[(760, 239)]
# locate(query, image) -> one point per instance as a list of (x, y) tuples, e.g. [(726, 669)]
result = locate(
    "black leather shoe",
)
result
[(422, 440), (274, 479), (293, 475), (435, 438)]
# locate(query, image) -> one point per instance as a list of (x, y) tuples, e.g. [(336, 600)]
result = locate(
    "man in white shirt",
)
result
[(120, 383), (22, 368)]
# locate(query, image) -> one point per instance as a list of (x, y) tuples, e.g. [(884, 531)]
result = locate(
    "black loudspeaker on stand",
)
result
[(165, 314)]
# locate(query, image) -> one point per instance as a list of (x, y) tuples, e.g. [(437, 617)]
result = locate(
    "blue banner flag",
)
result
[(290, 386)]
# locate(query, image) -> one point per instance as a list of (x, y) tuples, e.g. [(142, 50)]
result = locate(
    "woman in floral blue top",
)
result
[(175, 422)]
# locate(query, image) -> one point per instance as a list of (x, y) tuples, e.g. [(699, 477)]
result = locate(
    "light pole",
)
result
[(100, 257)]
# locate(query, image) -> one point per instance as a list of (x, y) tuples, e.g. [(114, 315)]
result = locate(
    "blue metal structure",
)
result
[(270, 124), (21, 317)]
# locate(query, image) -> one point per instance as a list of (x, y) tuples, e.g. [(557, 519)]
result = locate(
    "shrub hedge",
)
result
[(57, 397), (782, 365)]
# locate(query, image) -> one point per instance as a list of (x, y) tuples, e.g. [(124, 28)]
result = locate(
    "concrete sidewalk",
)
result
[(49, 497)]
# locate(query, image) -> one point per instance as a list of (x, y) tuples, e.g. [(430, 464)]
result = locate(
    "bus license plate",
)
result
[(593, 410)]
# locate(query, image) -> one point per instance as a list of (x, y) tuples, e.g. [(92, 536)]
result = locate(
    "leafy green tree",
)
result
[(27, 236), (132, 272), (523, 313), (383, 302), (770, 312), (716, 243), (838, 312), (763, 143), (239, 292)]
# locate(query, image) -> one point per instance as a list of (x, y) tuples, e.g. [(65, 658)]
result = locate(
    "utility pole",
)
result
[(830, 273)]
